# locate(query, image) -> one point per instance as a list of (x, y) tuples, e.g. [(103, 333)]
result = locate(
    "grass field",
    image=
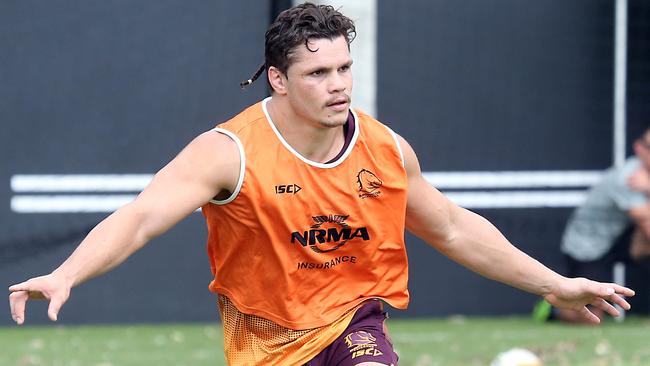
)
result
[(451, 341)]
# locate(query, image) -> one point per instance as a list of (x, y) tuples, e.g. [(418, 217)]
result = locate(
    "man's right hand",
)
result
[(50, 287)]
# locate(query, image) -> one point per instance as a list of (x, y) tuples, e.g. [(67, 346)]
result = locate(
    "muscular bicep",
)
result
[(429, 214), (209, 165)]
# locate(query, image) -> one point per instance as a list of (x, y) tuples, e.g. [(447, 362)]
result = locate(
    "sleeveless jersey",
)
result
[(303, 243)]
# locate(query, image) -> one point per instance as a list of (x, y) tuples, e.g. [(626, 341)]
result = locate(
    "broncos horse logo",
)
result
[(360, 338), (369, 184)]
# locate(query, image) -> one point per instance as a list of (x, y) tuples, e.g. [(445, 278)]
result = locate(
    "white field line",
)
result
[(68, 203), (107, 192), (517, 199), (509, 179), (79, 182), (472, 200), (441, 180)]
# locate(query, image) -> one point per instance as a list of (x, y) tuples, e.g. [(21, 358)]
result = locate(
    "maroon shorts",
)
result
[(364, 340)]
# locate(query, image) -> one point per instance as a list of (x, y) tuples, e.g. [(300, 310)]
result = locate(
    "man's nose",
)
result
[(337, 82)]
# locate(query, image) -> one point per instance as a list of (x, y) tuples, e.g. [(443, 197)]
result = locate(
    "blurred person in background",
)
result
[(612, 225)]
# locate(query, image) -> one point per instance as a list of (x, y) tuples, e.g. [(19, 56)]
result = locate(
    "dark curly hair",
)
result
[(298, 25)]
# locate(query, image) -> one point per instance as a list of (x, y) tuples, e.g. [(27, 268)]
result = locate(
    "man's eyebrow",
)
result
[(317, 68)]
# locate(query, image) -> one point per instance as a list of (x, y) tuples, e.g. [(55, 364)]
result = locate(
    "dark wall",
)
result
[(500, 86), (481, 85), (120, 87), (638, 71), (117, 87), (441, 287)]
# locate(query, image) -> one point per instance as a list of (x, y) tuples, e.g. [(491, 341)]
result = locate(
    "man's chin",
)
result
[(333, 123)]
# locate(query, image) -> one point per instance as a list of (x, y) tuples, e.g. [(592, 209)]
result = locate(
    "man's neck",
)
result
[(312, 141)]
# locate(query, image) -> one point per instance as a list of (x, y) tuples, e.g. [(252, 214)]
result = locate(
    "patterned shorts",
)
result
[(364, 340)]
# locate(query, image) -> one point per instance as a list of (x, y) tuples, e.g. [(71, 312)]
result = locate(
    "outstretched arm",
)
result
[(208, 165), (472, 241)]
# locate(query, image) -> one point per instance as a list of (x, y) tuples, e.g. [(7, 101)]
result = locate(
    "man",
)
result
[(306, 202), (613, 224)]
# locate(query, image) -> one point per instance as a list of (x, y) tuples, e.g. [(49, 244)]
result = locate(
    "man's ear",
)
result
[(278, 80)]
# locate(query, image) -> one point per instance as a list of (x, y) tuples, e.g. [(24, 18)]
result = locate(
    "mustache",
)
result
[(338, 98)]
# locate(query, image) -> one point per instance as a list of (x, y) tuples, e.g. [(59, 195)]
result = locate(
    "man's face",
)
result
[(319, 84)]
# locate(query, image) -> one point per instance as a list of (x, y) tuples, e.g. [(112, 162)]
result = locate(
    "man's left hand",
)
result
[(577, 293)]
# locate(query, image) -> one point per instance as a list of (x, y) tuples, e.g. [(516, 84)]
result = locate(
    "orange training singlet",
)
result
[(302, 243)]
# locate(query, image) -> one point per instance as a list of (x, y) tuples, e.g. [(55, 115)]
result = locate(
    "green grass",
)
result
[(452, 341), (475, 341)]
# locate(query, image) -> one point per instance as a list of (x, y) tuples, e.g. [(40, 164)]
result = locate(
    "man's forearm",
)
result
[(479, 246), (106, 246)]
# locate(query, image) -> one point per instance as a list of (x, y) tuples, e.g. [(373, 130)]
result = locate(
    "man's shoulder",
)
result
[(615, 186), (617, 175), (365, 117), (247, 118), (370, 124), (630, 166)]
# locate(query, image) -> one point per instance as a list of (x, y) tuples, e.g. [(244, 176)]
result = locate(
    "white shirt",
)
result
[(594, 227)]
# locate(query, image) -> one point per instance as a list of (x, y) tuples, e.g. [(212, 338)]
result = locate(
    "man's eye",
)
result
[(345, 68), (317, 73)]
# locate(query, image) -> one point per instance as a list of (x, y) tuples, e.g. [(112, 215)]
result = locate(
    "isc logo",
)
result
[(287, 188)]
